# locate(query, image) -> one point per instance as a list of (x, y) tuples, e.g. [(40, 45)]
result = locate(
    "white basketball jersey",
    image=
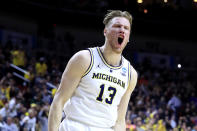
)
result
[(96, 99)]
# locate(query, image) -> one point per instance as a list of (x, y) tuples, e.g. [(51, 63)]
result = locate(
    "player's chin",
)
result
[(120, 46), (118, 50)]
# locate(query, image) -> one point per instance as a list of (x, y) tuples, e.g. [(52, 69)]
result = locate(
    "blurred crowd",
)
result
[(25, 98), (164, 99)]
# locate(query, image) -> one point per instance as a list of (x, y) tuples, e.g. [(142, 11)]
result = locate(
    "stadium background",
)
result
[(38, 37)]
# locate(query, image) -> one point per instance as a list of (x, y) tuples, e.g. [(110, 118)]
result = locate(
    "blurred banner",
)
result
[(156, 60), (25, 40)]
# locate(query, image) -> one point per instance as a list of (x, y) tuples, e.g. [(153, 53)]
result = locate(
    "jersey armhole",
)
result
[(91, 62)]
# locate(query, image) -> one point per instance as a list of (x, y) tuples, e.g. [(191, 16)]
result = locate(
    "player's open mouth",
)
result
[(120, 40)]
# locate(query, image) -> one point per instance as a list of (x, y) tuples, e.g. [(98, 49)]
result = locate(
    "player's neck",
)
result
[(111, 57)]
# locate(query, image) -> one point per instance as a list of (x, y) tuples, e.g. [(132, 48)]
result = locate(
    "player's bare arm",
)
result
[(122, 108), (72, 74)]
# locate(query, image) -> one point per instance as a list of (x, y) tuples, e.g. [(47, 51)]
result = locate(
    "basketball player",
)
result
[(97, 82)]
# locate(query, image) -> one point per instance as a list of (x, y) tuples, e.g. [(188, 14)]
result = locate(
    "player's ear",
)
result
[(104, 31)]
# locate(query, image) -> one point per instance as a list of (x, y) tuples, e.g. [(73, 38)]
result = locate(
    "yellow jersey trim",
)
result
[(129, 74)]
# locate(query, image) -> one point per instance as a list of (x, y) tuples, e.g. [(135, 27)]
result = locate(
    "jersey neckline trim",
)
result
[(105, 62), (91, 63)]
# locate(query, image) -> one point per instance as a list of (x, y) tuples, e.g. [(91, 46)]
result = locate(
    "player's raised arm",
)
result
[(72, 74), (122, 108)]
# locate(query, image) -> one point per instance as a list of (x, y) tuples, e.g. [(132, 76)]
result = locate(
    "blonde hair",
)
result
[(116, 13)]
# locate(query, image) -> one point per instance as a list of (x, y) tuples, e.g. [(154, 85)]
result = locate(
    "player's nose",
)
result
[(122, 30)]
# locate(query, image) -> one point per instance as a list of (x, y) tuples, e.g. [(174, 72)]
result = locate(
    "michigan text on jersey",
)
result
[(108, 78)]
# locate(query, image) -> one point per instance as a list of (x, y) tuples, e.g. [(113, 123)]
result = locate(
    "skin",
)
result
[(117, 27), (79, 63)]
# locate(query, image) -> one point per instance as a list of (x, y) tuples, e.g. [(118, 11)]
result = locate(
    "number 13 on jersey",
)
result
[(108, 100)]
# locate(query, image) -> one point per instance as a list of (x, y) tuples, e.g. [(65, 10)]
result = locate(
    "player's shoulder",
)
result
[(81, 60), (82, 55)]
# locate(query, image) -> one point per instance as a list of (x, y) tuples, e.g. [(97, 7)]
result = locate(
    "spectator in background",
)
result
[(4, 112), (46, 97), (29, 121), (41, 67), (174, 103), (129, 126), (3, 101), (143, 84), (10, 125), (160, 126), (30, 74), (5, 90), (139, 124), (21, 111), (173, 122), (18, 57), (43, 117), (2, 123)]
